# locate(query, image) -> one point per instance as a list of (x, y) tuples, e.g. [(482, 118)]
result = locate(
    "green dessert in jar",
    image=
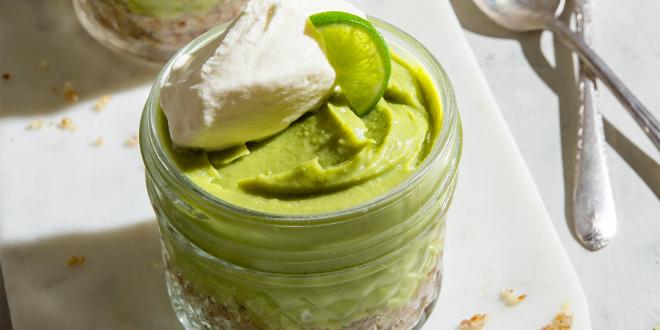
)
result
[(152, 29), (301, 166)]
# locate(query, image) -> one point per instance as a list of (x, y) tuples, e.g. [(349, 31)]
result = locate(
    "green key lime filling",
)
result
[(329, 159)]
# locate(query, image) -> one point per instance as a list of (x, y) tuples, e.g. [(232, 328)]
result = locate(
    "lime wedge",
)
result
[(357, 53)]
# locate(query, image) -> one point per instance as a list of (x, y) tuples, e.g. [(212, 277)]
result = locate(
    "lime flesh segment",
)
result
[(357, 53)]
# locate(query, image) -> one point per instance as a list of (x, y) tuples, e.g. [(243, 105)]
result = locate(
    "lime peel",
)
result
[(358, 54)]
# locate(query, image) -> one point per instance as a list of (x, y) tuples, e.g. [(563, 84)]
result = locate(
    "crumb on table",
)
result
[(67, 124), (131, 141), (476, 322), (562, 321), (35, 125), (6, 76), (75, 261), (102, 102), (511, 298), (43, 64), (98, 141), (70, 94)]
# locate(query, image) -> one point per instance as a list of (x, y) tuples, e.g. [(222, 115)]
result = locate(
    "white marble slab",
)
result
[(543, 118), (61, 196)]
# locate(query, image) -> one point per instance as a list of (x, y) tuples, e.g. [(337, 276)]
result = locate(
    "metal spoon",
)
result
[(594, 217), (529, 15)]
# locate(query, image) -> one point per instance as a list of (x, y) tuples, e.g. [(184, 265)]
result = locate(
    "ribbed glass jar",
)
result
[(374, 266), (152, 29)]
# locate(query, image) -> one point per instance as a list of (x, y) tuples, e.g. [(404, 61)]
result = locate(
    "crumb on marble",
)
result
[(75, 261), (511, 298), (131, 141), (562, 321), (70, 94), (35, 125), (43, 64), (67, 124), (98, 141), (476, 322), (102, 102), (6, 76)]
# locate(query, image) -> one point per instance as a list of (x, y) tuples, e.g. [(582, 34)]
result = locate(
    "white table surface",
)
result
[(531, 79), (611, 288), (62, 197)]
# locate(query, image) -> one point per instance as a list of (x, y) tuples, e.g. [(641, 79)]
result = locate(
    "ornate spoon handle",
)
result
[(593, 205)]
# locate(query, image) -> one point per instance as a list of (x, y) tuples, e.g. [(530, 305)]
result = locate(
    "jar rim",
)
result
[(442, 145)]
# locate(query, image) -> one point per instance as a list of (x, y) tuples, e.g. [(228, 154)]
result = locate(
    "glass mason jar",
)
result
[(152, 29), (373, 266)]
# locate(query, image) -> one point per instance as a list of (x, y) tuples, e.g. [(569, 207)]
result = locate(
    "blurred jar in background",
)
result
[(152, 29)]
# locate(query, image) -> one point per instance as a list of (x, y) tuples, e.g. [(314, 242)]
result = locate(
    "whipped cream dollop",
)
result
[(254, 80)]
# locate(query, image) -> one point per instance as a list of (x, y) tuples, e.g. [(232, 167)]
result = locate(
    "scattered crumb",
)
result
[(67, 124), (511, 298), (98, 142), (70, 94), (35, 125), (6, 76), (43, 64), (476, 322), (562, 321), (102, 102), (131, 142), (75, 261)]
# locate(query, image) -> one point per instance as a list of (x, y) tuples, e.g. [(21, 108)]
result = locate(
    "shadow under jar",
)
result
[(377, 265), (152, 29)]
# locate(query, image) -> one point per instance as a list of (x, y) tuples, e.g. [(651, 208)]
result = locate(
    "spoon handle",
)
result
[(644, 118), (594, 216)]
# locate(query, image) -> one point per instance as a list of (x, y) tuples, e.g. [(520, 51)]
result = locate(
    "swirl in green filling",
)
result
[(330, 159)]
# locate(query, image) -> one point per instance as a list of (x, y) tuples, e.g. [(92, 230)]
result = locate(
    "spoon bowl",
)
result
[(522, 15), (530, 15)]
